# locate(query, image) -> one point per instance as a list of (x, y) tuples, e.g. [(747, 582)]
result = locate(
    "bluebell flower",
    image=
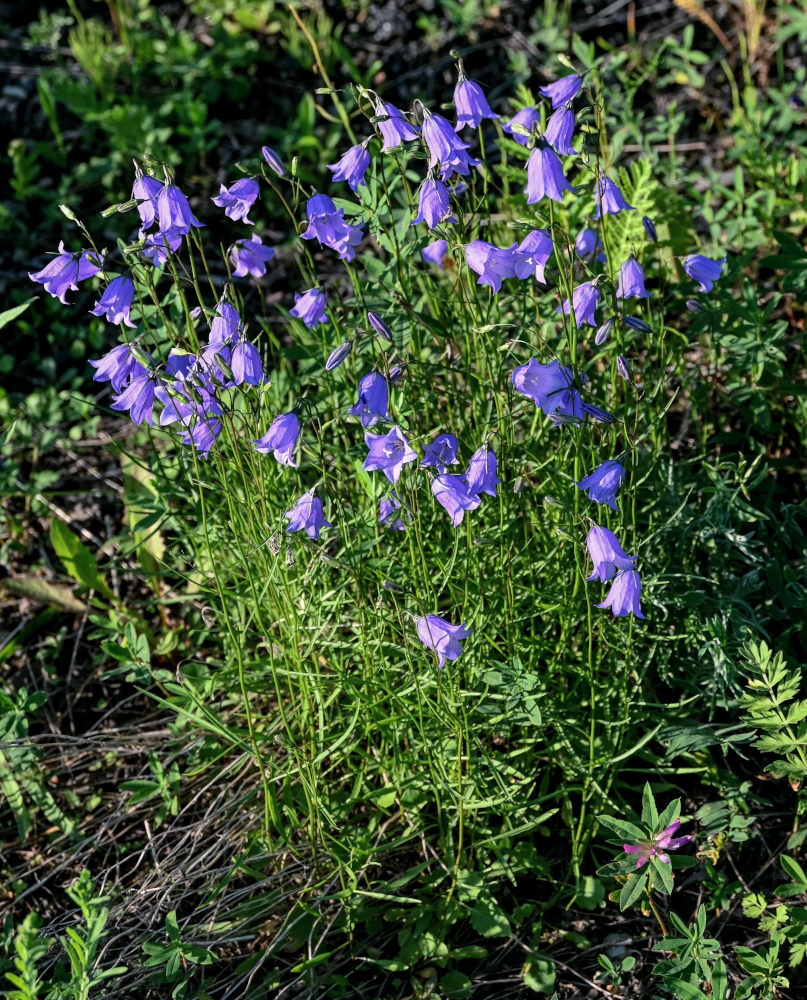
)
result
[(551, 387), (174, 213), (536, 248), (145, 191), (373, 400), (694, 306), (559, 130), (603, 483), (307, 513), (609, 198), (525, 118), (623, 597), (281, 438), (116, 301), (452, 492), (440, 139), (481, 475), (563, 90), (457, 162), (704, 270), (545, 176), (250, 257), (245, 363), (588, 242), (433, 204), (160, 245), (441, 453), (434, 252), (326, 223), (238, 199), (471, 104), (63, 273), (352, 166), (584, 300), (388, 452), (117, 367), (441, 636), (631, 281), (493, 263), (606, 553), (225, 325), (202, 435), (273, 160), (388, 513), (138, 398), (395, 129), (310, 306)]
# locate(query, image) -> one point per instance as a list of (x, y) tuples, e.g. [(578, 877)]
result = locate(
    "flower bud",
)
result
[(604, 331), (650, 229), (694, 306), (379, 325), (624, 368), (338, 355), (273, 160), (636, 324)]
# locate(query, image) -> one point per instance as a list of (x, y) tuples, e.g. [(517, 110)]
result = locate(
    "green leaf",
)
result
[(664, 873), (77, 558), (455, 984), (538, 974), (683, 989), (489, 920), (649, 811), (590, 893), (9, 315), (792, 868), (632, 889), (624, 830)]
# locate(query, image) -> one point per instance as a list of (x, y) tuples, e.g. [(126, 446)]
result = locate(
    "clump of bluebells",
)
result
[(216, 369)]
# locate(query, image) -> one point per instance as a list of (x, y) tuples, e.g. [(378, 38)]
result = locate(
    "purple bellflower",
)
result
[(559, 130), (588, 242), (145, 191), (525, 118), (238, 199), (273, 160), (174, 213), (471, 104), (606, 553), (603, 482), (545, 176), (563, 90), (443, 144), (537, 247), (245, 363), (281, 438), (310, 307), (609, 199), (352, 166), (435, 252), (160, 245), (635, 323), (481, 475), (442, 452), (138, 398), (307, 513), (388, 452), (493, 263), (327, 224), (433, 207), (623, 597), (452, 492), (442, 637), (63, 273), (551, 387), (395, 129), (584, 300), (116, 302), (373, 400), (631, 281), (658, 845), (388, 513), (704, 270), (250, 257), (117, 367)]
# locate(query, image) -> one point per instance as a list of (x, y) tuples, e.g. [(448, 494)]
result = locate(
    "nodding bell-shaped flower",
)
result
[(584, 300), (388, 452), (623, 597), (63, 273), (631, 281), (174, 213), (441, 453), (116, 302), (250, 257), (145, 191), (307, 513), (281, 438), (238, 199), (603, 482), (441, 636), (609, 199), (388, 513), (471, 104), (310, 306), (273, 160), (395, 129), (559, 130), (563, 90), (545, 176), (606, 553), (433, 206), (704, 270), (352, 166), (373, 400), (481, 474), (434, 252)]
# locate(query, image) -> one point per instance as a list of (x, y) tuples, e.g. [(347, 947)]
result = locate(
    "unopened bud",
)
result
[(694, 306), (650, 229), (604, 331), (273, 160), (379, 325), (624, 368), (337, 356), (636, 324)]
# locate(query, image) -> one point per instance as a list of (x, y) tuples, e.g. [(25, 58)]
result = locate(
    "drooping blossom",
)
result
[(493, 263), (441, 453), (623, 366), (116, 301), (481, 474), (352, 166), (536, 248), (307, 513), (609, 199), (606, 553), (441, 636), (658, 845), (525, 118), (444, 145), (453, 493), (545, 176), (63, 273), (137, 396), (373, 400), (623, 597), (471, 104), (433, 205), (603, 483), (551, 387), (704, 270), (584, 300), (559, 131), (117, 367), (174, 213), (631, 281), (310, 306), (326, 223), (388, 452), (434, 252), (395, 129), (145, 191), (238, 199), (388, 509), (281, 438), (563, 90), (588, 242), (250, 257), (159, 246)]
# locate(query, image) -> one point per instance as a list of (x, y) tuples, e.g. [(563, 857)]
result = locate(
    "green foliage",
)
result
[(30, 947)]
